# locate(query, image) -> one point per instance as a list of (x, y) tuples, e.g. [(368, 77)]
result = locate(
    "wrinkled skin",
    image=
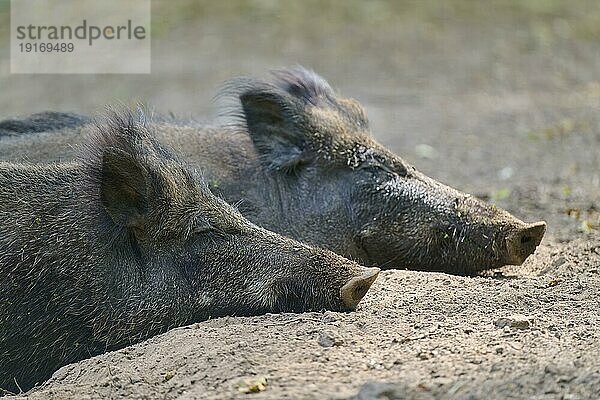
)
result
[(127, 242), (300, 160)]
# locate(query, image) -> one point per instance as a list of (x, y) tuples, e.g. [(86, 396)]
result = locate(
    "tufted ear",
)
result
[(124, 187), (272, 117)]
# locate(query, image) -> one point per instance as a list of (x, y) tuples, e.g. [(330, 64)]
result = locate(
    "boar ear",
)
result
[(270, 118), (123, 187)]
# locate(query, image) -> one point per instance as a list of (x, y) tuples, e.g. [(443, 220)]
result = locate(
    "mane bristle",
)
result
[(299, 82), (304, 84), (125, 130), (117, 128)]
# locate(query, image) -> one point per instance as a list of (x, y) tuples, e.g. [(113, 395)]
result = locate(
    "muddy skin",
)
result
[(127, 242), (300, 160)]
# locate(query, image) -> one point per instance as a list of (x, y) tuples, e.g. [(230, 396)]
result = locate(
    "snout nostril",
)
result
[(356, 288), (521, 244), (360, 292), (526, 239)]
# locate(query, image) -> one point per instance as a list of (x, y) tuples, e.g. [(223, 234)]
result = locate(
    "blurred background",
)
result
[(498, 98)]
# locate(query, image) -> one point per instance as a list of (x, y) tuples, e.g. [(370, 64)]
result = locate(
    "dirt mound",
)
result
[(431, 335)]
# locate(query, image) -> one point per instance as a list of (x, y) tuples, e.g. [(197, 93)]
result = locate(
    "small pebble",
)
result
[(330, 339), (516, 321)]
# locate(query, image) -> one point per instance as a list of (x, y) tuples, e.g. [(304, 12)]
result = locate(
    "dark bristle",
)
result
[(41, 122), (125, 130), (304, 84), (299, 82), (119, 129)]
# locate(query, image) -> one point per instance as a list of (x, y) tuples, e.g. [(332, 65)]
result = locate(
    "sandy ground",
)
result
[(433, 335), (500, 99)]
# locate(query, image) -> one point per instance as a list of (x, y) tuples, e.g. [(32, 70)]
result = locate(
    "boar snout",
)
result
[(356, 288), (521, 243)]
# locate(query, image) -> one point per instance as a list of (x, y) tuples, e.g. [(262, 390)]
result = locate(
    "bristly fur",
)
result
[(42, 122), (299, 82), (129, 132), (119, 129), (304, 84), (122, 129)]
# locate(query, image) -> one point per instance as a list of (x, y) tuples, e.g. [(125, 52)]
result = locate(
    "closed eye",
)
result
[(201, 230), (202, 226), (399, 170), (208, 232)]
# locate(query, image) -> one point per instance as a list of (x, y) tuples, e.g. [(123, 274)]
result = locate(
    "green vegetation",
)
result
[(580, 18), (543, 19)]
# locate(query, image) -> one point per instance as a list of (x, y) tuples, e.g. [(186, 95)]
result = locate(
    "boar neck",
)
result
[(231, 166)]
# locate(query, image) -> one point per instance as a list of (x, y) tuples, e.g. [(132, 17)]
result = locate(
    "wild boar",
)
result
[(300, 160), (126, 242)]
